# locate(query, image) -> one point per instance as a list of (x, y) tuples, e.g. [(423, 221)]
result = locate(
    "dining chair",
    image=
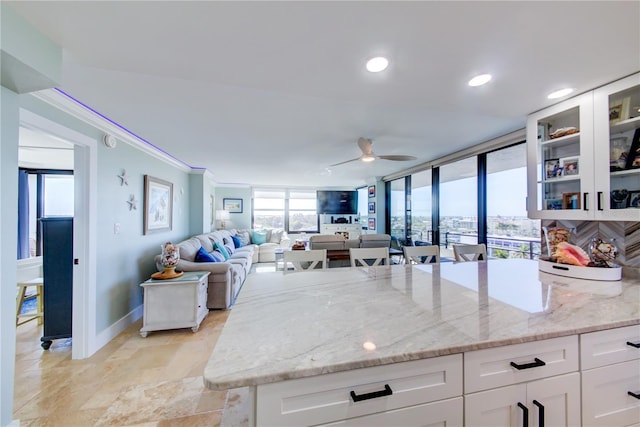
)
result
[(305, 260), (463, 253), (368, 257), (421, 254)]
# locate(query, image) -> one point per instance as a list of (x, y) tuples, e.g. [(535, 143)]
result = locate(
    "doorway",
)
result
[(84, 227)]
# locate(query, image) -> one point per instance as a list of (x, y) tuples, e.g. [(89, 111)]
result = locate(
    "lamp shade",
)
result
[(222, 214)]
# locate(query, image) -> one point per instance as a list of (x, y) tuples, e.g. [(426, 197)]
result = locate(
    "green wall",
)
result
[(124, 260), (236, 220)]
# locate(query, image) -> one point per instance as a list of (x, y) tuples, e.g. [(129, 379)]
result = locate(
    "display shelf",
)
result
[(626, 172), (574, 138), (560, 180), (625, 125)]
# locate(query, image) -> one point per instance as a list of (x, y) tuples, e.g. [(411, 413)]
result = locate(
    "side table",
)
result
[(175, 303)]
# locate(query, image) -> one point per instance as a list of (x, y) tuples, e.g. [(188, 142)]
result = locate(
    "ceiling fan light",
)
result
[(377, 64), (368, 158)]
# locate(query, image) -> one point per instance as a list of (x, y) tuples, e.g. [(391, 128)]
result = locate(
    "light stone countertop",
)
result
[(310, 323)]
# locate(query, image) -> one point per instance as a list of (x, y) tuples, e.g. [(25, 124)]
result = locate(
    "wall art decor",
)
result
[(158, 205), (372, 191), (232, 205)]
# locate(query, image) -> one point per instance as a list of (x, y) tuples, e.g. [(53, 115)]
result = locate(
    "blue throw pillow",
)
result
[(236, 242), (230, 249), (217, 256), (222, 250), (203, 256), (259, 237)]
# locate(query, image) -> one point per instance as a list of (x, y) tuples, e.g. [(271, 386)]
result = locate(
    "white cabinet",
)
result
[(350, 231), (617, 132), (611, 377), (605, 395), (580, 175), (551, 401), (394, 394), (175, 303), (536, 383)]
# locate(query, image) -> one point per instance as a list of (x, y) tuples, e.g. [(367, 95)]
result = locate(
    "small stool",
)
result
[(38, 283)]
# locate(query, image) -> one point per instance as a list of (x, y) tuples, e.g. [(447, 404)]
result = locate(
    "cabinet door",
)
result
[(557, 398), (605, 395), (560, 168), (617, 151), (497, 407)]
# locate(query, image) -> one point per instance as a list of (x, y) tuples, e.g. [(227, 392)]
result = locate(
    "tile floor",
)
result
[(132, 381)]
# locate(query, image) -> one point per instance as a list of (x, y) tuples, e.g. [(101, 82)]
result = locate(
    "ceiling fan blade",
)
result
[(347, 161), (365, 146), (399, 158)]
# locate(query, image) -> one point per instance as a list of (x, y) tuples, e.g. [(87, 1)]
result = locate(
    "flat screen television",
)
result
[(337, 202)]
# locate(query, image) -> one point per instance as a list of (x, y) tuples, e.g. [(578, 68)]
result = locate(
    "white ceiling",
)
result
[(272, 93)]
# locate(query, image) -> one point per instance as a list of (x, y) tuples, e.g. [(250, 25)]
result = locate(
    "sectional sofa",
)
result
[(226, 276)]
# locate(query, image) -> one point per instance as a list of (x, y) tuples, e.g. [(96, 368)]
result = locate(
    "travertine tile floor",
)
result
[(132, 381)]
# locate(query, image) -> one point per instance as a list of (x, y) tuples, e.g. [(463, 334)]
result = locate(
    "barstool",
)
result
[(29, 275), (38, 283)]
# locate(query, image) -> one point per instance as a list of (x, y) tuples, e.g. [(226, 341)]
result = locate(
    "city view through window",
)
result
[(510, 234)]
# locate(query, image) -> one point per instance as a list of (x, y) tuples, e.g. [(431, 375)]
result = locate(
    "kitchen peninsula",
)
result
[(385, 345)]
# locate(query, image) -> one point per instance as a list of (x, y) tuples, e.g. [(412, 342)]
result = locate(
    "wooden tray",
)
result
[(164, 275), (577, 272)]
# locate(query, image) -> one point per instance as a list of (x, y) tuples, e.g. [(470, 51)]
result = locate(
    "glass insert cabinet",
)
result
[(583, 155)]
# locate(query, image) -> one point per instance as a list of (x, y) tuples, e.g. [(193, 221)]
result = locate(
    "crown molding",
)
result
[(84, 113)]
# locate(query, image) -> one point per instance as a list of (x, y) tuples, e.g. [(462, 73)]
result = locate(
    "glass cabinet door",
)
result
[(617, 134), (561, 138)]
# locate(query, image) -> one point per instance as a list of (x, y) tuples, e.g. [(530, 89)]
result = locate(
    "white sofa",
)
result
[(265, 252), (226, 277)]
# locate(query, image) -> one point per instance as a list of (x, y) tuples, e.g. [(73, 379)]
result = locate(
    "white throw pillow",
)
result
[(276, 236)]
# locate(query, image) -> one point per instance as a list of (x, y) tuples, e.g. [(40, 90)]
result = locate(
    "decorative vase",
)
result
[(553, 236), (170, 257), (603, 253)]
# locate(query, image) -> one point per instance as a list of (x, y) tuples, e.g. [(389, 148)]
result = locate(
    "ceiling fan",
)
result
[(368, 155)]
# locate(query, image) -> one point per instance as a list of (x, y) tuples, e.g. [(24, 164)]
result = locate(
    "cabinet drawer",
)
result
[(485, 369), (328, 398), (607, 347), (605, 401), (442, 413)]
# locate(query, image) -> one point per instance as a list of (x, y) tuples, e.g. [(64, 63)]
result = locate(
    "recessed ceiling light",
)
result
[(480, 80), (560, 93), (377, 64)]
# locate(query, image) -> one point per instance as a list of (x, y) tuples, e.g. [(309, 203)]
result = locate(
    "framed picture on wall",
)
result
[(232, 205), (372, 207), (158, 205), (372, 223), (372, 191)]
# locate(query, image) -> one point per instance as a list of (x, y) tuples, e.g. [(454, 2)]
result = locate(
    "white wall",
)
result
[(8, 248)]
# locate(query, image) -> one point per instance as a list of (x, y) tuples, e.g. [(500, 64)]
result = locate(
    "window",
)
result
[(458, 203), (510, 234), (397, 212), (48, 193), (421, 224), (58, 195), (268, 209), (303, 215), (291, 210), (363, 204)]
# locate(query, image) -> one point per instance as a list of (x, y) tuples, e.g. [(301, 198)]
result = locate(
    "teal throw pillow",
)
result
[(236, 242), (259, 237), (222, 250), (203, 256)]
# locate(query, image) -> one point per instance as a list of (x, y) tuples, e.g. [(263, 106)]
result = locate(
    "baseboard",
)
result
[(117, 328)]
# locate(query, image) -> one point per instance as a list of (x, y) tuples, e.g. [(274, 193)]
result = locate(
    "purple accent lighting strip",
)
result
[(121, 127)]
